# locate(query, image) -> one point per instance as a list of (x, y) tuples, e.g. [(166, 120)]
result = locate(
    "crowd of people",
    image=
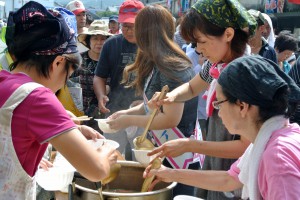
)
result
[(228, 128)]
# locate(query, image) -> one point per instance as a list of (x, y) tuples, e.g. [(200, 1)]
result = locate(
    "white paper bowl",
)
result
[(141, 156), (104, 126), (100, 142), (186, 197), (57, 178)]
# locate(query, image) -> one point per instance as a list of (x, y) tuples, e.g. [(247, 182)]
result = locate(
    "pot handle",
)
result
[(99, 188), (70, 192), (71, 186)]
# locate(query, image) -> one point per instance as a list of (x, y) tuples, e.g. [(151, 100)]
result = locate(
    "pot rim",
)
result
[(117, 194)]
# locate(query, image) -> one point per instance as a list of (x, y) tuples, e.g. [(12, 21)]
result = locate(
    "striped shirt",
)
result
[(204, 73)]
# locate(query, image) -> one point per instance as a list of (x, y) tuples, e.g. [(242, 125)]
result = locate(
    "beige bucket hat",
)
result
[(97, 27)]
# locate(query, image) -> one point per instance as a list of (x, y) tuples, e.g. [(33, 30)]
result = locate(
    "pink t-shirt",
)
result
[(37, 119), (279, 169)]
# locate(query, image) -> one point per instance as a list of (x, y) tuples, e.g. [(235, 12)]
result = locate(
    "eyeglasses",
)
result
[(216, 104), (126, 28)]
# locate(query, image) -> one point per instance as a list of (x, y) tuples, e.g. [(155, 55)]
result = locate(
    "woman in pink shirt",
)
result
[(255, 99), (44, 47)]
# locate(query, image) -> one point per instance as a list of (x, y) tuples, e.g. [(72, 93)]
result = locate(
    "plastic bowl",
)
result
[(100, 142), (105, 126), (141, 156), (56, 178)]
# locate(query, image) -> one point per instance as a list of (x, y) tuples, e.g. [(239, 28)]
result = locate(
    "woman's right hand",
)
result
[(93, 164), (154, 102), (172, 148), (110, 152)]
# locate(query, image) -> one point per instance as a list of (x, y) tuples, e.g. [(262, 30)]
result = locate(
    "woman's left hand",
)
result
[(45, 164), (162, 174), (117, 114), (89, 132)]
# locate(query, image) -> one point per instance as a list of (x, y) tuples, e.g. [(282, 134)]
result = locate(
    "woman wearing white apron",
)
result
[(30, 114), (160, 62)]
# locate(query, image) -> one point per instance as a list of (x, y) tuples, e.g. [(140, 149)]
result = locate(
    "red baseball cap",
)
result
[(128, 11), (76, 7)]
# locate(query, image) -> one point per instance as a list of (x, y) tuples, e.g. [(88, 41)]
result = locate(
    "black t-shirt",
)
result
[(268, 52), (116, 53)]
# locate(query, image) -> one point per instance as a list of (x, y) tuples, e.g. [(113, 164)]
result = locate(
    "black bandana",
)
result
[(255, 80), (54, 29)]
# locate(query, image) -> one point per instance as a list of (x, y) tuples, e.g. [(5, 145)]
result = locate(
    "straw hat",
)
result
[(97, 27)]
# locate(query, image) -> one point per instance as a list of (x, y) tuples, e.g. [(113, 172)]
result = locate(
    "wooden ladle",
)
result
[(141, 142), (156, 163)]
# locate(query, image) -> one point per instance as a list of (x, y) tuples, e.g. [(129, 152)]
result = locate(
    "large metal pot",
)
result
[(130, 179)]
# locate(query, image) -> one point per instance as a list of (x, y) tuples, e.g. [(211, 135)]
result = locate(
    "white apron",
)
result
[(15, 183)]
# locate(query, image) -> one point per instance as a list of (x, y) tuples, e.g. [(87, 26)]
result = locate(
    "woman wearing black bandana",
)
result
[(255, 99), (44, 47)]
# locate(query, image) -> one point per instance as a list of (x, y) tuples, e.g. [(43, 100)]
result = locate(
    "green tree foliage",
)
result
[(106, 13)]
